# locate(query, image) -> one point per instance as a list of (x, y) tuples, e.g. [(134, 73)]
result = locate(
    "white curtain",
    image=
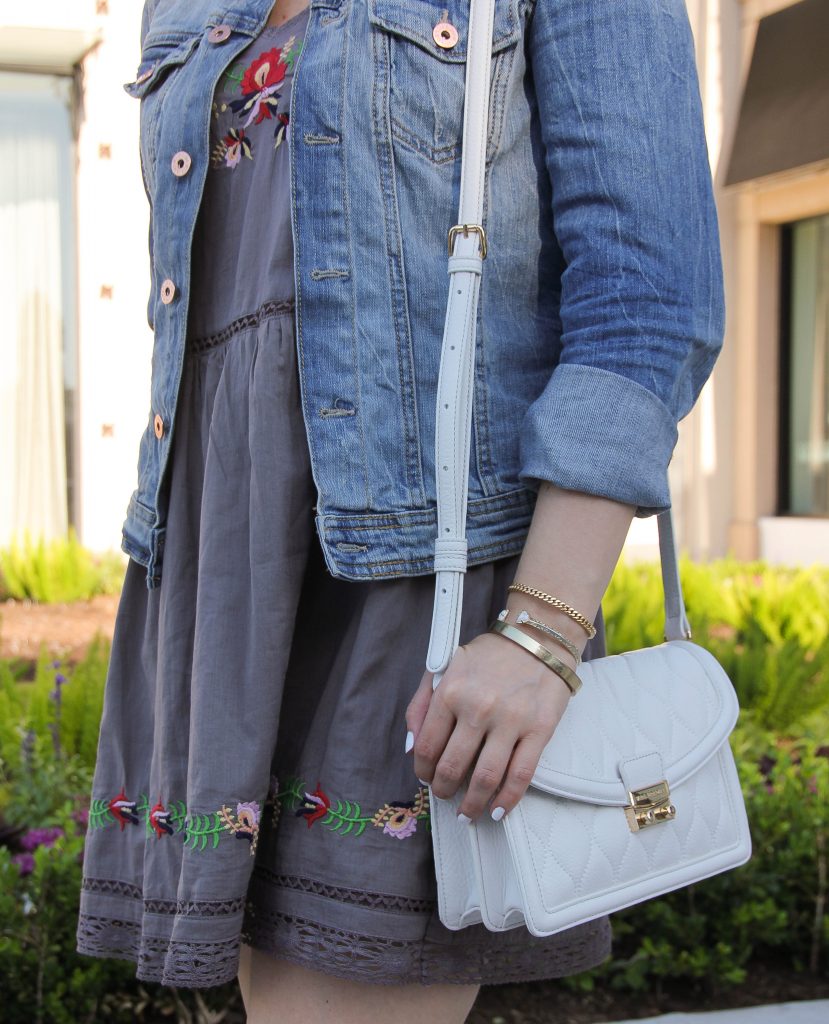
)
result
[(34, 151)]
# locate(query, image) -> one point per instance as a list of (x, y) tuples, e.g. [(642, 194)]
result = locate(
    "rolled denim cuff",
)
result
[(597, 431)]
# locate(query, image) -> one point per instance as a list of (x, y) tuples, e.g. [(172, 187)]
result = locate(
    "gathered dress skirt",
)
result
[(251, 782)]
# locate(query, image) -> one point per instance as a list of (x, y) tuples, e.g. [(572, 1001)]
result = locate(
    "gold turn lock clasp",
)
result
[(649, 806)]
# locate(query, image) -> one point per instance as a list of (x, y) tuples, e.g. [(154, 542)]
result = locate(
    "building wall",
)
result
[(114, 280), (114, 341)]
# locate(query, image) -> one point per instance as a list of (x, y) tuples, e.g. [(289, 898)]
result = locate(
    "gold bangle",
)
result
[(582, 620), (563, 671), (565, 641)]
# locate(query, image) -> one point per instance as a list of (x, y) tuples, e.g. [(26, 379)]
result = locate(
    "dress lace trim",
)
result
[(183, 908), (375, 900), (266, 311), (376, 959)]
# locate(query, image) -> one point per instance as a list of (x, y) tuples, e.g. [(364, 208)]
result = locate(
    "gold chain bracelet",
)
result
[(582, 620)]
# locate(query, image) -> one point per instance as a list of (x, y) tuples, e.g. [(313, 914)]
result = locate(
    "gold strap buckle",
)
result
[(456, 229), (649, 806)]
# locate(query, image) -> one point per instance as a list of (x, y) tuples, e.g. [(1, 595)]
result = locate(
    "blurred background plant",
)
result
[(57, 571), (767, 626)]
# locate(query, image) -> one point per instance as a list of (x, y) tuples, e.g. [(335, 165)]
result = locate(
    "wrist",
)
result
[(553, 617)]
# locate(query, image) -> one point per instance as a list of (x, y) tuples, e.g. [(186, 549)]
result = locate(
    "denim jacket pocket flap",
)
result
[(160, 53), (417, 21)]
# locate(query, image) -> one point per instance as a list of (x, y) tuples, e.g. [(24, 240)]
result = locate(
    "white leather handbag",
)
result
[(636, 793)]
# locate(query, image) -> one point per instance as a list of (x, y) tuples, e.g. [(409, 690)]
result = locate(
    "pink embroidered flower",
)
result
[(248, 815), (315, 806), (401, 824)]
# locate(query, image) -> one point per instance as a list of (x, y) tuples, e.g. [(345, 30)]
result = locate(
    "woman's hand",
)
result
[(492, 713)]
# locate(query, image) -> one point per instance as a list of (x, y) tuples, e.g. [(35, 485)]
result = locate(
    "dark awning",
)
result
[(784, 112)]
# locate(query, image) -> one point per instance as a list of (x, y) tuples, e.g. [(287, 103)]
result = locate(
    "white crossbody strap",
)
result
[(467, 250)]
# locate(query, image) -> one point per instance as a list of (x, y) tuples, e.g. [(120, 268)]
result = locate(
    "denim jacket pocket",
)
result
[(425, 81), (161, 55)]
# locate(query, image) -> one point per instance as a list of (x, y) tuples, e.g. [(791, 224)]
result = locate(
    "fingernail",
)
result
[(463, 818), (409, 741), (497, 813), (422, 781)]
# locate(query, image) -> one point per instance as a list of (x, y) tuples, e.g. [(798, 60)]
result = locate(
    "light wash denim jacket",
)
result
[(602, 307)]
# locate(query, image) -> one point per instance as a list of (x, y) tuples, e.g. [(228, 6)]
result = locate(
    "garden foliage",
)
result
[(57, 571), (768, 628)]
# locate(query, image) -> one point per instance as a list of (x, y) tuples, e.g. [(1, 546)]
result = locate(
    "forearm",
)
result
[(572, 548)]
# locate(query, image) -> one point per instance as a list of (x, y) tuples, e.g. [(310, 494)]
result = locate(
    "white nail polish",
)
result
[(422, 781), (409, 741), (464, 819), (497, 813)]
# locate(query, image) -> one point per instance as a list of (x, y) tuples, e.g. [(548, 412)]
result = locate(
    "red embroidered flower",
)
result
[(160, 820), (123, 810), (267, 70), (315, 806)]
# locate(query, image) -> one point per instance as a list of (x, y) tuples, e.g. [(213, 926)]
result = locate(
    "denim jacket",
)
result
[(601, 305)]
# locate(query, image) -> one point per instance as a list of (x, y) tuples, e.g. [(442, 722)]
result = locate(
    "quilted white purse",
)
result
[(636, 792)]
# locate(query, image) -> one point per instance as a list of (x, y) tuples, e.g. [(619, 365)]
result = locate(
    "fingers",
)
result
[(433, 737), (417, 708), (514, 770), (456, 760)]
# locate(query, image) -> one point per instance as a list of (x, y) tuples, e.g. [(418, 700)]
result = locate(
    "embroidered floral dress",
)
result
[(251, 782)]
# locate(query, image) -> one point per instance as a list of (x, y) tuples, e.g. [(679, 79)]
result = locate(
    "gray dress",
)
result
[(251, 783)]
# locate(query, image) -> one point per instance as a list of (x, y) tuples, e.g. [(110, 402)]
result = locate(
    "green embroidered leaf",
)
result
[(99, 814)]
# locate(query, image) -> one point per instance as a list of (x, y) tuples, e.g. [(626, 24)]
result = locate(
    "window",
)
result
[(38, 349), (804, 420)]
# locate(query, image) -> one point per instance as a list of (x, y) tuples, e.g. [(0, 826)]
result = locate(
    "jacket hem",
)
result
[(389, 545)]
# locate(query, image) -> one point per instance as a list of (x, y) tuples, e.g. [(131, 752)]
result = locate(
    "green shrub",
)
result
[(48, 738), (57, 571), (767, 626), (774, 909)]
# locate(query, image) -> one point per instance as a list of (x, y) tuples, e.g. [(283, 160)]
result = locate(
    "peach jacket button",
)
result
[(445, 35), (168, 291), (181, 163), (218, 34), (158, 426)]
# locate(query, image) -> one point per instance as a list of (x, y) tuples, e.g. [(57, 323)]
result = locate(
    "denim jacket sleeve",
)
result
[(642, 304)]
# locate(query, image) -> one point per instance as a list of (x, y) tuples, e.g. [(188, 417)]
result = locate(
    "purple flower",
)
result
[(60, 679), (81, 815), (40, 837), (25, 863)]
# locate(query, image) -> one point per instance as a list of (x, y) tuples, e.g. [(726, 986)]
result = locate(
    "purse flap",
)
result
[(672, 703)]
